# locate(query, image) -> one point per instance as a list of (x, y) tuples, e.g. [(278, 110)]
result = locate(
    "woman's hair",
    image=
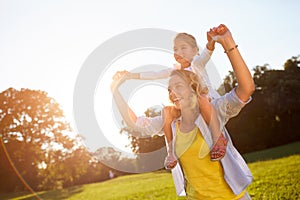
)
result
[(191, 40), (192, 79)]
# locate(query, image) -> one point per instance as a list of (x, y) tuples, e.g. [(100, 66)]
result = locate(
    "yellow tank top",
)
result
[(204, 178)]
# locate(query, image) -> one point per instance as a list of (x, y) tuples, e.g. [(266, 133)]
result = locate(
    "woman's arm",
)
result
[(146, 126), (126, 112), (245, 81)]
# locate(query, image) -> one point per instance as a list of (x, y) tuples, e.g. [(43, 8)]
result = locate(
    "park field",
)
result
[(273, 179)]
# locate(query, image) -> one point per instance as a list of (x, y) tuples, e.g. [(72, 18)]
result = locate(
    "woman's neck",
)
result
[(188, 118)]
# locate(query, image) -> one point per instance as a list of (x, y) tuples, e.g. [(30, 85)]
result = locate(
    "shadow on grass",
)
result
[(61, 194), (273, 153), (48, 195)]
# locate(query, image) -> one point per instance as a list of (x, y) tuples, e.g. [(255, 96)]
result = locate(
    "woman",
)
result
[(195, 175), (186, 53)]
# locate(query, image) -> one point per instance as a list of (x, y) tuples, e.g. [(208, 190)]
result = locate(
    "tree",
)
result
[(230, 81), (272, 117), (258, 73), (35, 140), (142, 146), (148, 144), (116, 163), (292, 63)]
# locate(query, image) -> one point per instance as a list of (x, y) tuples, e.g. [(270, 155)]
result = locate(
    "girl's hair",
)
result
[(193, 80), (191, 40)]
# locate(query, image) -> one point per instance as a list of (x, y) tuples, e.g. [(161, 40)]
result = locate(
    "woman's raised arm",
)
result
[(246, 86), (126, 112), (144, 126)]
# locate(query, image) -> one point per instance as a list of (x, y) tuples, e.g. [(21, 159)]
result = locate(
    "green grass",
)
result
[(276, 179), (273, 179), (154, 185)]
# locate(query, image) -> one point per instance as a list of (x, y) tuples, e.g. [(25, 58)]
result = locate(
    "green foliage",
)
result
[(292, 63), (272, 116), (230, 81), (114, 161), (148, 144), (141, 146), (35, 142)]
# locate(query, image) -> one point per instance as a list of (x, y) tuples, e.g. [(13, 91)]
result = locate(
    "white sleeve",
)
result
[(228, 106), (149, 126), (179, 180), (198, 66), (201, 60), (152, 75)]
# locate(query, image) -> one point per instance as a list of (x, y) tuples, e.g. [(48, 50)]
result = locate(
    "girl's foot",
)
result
[(219, 149)]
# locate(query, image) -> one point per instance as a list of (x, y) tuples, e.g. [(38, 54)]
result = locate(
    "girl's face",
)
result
[(184, 52), (181, 94)]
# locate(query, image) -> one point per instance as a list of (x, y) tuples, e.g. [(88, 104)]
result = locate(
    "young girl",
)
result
[(186, 53)]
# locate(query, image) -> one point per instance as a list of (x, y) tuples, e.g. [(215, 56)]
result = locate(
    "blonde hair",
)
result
[(193, 80), (188, 38)]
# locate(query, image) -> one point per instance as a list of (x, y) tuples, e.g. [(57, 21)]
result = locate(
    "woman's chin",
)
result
[(177, 105)]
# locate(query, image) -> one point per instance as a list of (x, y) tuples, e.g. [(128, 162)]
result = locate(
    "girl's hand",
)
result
[(120, 74), (170, 161), (210, 42), (219, 34)]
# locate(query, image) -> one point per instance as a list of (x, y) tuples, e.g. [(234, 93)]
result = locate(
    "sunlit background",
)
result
[(44, 44)]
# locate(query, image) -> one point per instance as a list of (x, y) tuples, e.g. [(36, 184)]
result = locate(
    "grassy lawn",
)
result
[(276, 179), (273, 179), (154, 185)]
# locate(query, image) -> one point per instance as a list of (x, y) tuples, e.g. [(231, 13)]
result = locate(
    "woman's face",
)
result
[(181, 94), (184, 52)]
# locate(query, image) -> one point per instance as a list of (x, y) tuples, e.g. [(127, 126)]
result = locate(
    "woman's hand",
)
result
[(246, 87), (220, 33)]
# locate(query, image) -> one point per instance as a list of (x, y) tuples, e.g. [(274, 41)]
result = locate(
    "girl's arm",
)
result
[(201, 60), (150, 75)]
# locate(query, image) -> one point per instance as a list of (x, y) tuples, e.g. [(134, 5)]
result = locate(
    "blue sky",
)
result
[(44, 44)]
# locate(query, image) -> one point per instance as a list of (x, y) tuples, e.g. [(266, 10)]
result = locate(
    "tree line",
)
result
[(39, 152)]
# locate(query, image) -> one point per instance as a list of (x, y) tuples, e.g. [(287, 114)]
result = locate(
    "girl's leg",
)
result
[(219, 141)]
